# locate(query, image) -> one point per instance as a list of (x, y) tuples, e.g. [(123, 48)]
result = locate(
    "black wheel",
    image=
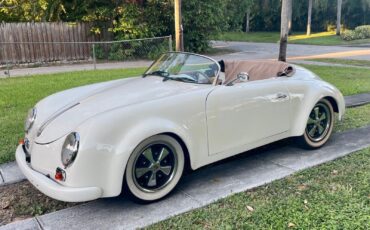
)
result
[(154, 168), (319, 125)]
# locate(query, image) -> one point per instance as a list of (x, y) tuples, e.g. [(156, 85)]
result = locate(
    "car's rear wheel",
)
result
[(154, 168), (319, 125)]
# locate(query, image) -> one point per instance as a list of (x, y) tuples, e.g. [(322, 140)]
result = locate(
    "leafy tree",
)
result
[(201, 19), (128, 19), (22, 10)]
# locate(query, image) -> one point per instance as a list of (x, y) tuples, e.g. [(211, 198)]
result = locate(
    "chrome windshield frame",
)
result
[(199, 55)]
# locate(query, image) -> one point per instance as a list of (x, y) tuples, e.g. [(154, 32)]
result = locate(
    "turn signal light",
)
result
[(21, 141), (60, 175)]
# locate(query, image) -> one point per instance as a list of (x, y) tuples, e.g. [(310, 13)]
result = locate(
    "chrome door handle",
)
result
[(281, 96)]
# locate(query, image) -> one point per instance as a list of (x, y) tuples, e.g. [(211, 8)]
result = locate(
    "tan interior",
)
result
[(257, 70)]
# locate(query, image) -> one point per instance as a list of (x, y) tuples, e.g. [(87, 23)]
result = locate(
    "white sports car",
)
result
[(137, 135)]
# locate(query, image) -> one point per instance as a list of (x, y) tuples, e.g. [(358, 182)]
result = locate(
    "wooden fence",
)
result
[(46, 42)]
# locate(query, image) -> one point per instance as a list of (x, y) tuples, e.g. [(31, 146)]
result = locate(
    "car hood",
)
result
[(61, 113)]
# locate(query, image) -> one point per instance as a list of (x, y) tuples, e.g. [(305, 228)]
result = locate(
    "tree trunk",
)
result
[(178, 27), (339, 15), (290, 14), (309, 17), (247, 19), (286, 4)]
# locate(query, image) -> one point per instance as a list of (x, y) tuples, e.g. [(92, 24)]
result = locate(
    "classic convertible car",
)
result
[(137, 135)]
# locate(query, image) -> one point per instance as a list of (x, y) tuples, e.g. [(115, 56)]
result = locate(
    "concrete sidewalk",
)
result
[(357, 100), (307, 62), (10, 173), (201, 187), (73, 67)]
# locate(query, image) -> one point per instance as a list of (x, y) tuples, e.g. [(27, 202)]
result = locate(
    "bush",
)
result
[(348, 35), (363, 31), (360, 32)]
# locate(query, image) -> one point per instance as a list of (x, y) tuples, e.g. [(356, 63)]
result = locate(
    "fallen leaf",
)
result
[(250, 208), (5, 204), (302, 187), (291, 225)]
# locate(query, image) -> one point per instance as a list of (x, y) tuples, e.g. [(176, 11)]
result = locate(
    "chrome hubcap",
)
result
[(318, 122), (155, 167)]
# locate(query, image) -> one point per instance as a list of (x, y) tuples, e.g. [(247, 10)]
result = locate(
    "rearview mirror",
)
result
[(242, 77)]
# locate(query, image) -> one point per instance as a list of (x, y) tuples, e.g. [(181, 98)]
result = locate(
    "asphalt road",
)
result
[(241, 50), (248, 50)]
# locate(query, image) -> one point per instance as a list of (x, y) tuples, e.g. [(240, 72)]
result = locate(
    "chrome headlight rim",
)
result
[(31, 117), (70, 149)]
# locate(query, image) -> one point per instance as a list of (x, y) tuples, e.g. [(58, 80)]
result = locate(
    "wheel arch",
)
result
[(183, 146), (333, 103), (299, 124), (139, 132)]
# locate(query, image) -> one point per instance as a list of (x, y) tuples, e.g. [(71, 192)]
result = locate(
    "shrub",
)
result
[(363, 32), (360, 32), (348, 35)]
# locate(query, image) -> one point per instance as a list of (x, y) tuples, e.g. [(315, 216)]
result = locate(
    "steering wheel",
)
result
[(201, 77)]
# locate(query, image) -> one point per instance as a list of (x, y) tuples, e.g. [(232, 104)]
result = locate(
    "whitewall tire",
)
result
[(154, 168), (319, 125)]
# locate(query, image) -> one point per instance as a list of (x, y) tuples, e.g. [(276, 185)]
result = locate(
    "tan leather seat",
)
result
[(257, 70)]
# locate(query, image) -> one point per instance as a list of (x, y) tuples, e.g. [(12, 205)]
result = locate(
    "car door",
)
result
[(246, 113)]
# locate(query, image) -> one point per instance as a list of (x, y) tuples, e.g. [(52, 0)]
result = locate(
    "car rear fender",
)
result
[(304, 98)]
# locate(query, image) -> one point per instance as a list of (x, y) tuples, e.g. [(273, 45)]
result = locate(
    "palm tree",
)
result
[(339, 15), (286, 5), (309, 17)]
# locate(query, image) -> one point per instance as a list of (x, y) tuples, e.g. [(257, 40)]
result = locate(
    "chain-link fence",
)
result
[(15, 55)]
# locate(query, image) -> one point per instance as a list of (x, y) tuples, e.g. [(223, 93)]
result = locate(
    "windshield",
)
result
[(185, 67)]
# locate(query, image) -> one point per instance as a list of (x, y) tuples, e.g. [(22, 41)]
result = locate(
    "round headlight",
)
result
[(70, 149), (31, 117)]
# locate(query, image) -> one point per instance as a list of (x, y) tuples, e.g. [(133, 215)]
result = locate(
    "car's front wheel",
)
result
[(319, 125), (154, 168)]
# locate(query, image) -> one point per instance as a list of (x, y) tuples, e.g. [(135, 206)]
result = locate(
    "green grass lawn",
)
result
[(322, 38), (348, 80), (361, 63), (334, 195), (354, 118), (18, 95), (268, 37)]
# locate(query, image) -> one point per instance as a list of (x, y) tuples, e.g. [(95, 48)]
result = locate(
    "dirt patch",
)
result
[(21, 201)]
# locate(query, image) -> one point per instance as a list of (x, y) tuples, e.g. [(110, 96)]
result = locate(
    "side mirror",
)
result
[(242, 76)]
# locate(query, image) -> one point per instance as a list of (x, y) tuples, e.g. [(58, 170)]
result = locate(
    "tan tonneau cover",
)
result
[(257, 70)]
